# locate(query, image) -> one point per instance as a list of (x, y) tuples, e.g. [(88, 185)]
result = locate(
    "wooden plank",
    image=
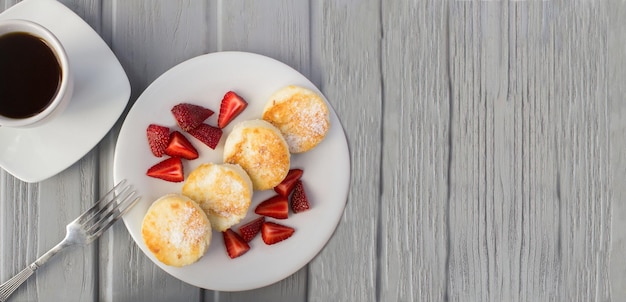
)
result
[(278, 29), (347, 58), (616, 111), (529, 216), (72, 275), (4, 4), (89, 10), (148, 37), (571, 173), (34, 219), (18, 236), (483, 129), (345, 43), (293, 288), (416, 113)]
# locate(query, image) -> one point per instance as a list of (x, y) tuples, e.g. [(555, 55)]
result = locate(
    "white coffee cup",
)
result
[(16, 111)]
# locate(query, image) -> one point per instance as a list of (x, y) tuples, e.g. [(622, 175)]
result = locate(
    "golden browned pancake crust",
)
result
[(260, 149), (301, 115), (176, 230), (223, 191)]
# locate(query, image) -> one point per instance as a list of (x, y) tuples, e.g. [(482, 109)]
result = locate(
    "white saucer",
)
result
[(101, 92), (203, 80)]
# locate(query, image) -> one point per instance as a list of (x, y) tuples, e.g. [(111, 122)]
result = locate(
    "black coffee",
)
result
[(30, 75)]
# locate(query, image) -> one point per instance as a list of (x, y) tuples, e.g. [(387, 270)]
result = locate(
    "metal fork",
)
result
[(82, 231)]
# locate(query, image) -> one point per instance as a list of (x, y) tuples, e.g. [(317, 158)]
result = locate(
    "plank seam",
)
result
[(446, 296), (379, 215), (219, 25)]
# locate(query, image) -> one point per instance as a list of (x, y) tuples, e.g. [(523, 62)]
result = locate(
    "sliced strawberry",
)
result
[(249, 230), (276, 207), (207, 134), (232, 105), (235, 245), (180, 146), (158, 137), (286, 186), (299, 202), (170, 169), (189, 116), (273, 232)]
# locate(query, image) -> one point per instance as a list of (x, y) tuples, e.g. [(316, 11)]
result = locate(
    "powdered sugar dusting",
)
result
[(186, 228), (261, 150), (221, 191), (308, 127), (314, 119), (301, 115)]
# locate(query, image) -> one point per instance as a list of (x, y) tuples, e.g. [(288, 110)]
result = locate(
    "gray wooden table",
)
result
[(487, 139)]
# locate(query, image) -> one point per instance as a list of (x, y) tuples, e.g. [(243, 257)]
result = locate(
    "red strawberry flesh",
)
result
[(158, 138), (207, 134), (286, 186), (273, 233), (170, 169), (180, 146), (299, 201), (235, 245), (189, 116), (276, 207), (232, 105), (249, 230)]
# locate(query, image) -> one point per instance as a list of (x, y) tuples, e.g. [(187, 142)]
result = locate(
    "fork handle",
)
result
[(8, 287)]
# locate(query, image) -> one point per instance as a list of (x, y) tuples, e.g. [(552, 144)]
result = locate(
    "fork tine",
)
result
[(110, 205), (96, 206), (128, 205), (108, 209)]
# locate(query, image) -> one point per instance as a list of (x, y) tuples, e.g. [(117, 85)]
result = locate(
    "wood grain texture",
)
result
[(18, 236), (415, 141), (616, 113), (582, 151), (4, 4), (88, 10), (346, 67), (33, 221), (71, 275), (485, 148), (278, 29), (530, 206), (148, 39)]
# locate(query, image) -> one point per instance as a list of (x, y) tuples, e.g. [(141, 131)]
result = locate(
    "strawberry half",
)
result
[(158, 138), (249, 230), (207, 134), (299, 202), (276, 207), (189, 116), (232, 105), (170, 169), (180, 146), (235, 245), (285, 187), (273, 232)]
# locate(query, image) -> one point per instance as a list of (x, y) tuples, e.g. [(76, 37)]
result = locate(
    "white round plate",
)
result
[(204, 80), (101, 92)]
